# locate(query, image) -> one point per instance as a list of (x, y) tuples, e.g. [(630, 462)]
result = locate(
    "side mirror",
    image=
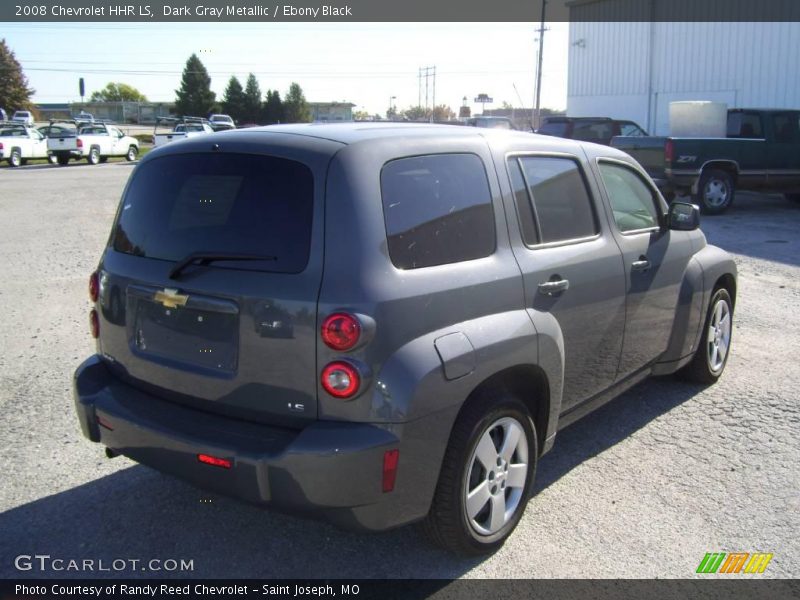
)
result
[(683, 216)]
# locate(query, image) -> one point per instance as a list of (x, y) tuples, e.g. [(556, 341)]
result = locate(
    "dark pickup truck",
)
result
[(761, 152)]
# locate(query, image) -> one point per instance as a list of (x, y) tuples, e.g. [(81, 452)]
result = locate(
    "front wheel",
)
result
[(94, 156), (712, 354), (715, 191), (486, 477), (133, 151)]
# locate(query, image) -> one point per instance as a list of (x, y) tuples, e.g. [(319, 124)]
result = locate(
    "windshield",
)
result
[(223, 204)]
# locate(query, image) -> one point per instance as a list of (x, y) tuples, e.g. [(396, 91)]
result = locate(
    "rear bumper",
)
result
[(332, 470)]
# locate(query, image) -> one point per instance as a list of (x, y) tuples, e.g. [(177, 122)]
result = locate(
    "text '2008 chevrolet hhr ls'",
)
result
[(379, 324)]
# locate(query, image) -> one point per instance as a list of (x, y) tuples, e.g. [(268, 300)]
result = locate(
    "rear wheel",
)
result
[(715, 191), (712, 354), (133, 151), (94, 156), (486, 477), (15, 159)]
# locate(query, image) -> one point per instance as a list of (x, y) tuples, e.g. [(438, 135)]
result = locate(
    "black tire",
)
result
[(447, 523), (133, 152), (62, 160), (15, 159), (94, 156), (715, 191), (700, 369)]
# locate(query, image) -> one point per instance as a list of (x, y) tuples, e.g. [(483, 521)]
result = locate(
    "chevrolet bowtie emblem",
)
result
[(170, 298)]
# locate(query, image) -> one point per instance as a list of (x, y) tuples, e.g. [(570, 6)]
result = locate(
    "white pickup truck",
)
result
[(18, 143), (181, 128), (94, 141)]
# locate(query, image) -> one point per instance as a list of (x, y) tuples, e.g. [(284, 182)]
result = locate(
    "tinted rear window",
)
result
[(558, 128), (437, 209), (231, 204)]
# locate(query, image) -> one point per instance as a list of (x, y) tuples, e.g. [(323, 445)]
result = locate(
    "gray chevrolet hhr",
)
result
[(379, 324)]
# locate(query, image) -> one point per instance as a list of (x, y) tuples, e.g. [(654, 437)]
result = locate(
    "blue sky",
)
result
[(364, 63)]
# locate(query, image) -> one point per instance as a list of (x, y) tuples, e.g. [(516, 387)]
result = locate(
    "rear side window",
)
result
[(559, 201), (437, 210), (592, 131), (219, 203)]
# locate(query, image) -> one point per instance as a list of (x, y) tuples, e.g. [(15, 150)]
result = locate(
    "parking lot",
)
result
[(644, 487)]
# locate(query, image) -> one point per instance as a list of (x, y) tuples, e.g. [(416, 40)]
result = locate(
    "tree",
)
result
[(392, 114), (420, 113), (195, 98), (361, 115), (14, 91), (273, 108), (252, 100), (118, 92), (295, 107), (233, 100)]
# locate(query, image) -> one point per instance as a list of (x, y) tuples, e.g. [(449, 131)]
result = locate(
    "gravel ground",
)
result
[(644, 487)]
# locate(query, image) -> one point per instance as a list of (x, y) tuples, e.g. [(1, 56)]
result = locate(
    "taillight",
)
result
[(340, 331), (94, 324), (214, 461), (94, 286), (341, 379), (669, 151), (1, 146), (390, 460), (79, 143)]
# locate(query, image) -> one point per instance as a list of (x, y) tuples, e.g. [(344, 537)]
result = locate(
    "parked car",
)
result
[(598, 130), (447, 299), (761, 152), (95, 141), (490, 122), (221, 122), (23, 116), (181, 128), (54, 130), (20, 143)]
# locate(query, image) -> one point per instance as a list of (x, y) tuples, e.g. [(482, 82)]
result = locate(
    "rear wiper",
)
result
[(203, 258)]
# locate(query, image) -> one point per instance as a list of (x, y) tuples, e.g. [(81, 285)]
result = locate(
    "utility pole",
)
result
[(427, 73), (537, 109)]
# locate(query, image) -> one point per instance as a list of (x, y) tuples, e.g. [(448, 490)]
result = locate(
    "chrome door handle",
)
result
[(550, 288), (640, 265)]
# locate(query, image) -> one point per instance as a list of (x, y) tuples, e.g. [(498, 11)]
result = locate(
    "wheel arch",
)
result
[(527, 382)]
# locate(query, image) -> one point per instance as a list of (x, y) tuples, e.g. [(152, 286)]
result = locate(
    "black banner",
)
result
[(437, 589), (393, 10)]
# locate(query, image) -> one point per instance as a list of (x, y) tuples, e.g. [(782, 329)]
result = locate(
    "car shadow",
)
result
[(137, 513), (762, 226)]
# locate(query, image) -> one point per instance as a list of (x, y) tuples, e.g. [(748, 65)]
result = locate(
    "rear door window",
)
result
[(219, 203), (437, 210), (559, 200)]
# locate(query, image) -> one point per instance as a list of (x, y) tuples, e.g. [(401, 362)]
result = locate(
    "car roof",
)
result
[(329, 138), (351, 133)]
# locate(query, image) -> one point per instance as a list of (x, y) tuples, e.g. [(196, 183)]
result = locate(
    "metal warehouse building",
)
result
[(633, 70)]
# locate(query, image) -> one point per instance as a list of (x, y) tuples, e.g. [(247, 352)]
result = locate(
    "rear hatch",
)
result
[(208, 288), (67, 140)]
